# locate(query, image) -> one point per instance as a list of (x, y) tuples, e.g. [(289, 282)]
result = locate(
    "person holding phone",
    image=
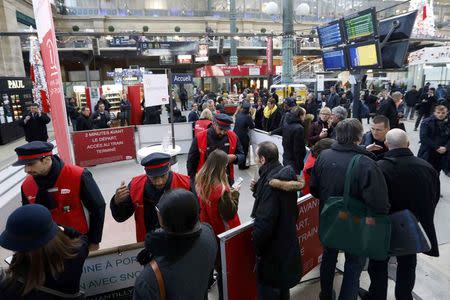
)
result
[(218, 201)]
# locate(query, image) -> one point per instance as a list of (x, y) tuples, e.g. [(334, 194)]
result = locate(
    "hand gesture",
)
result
[(231, 158), (373, 147), (122, 193), (324, 133), (27, 118)]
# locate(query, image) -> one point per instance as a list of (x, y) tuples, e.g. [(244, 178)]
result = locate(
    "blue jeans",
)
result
[(410, 110), (404, 284), (352, 271)]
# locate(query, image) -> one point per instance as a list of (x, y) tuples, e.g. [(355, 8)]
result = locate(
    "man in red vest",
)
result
[(218, 136), (66, 190), (144, 191)]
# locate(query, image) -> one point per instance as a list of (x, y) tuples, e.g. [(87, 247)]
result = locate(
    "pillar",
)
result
[(288, 41), (11, 61)]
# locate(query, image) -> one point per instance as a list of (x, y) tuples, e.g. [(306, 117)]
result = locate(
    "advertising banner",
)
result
[(232, 71), (103, 146), (238, 257), (111, 273), (269, 54), (155, 89), (47, 40)]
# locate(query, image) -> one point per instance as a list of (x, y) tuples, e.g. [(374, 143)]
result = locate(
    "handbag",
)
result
[(159, 279), (347, 224), (408, 236), (228, 204)]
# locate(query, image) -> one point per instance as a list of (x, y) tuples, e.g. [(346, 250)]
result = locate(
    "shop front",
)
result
[(429, 65), (15, 97)]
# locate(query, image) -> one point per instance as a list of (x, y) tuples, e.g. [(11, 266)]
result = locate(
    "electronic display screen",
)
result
[(360, 25), (334, 60), (330, 34), (364, 55)]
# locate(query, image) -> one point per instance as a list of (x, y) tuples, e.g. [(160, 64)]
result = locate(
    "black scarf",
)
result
[(171, 246), (44, 183)]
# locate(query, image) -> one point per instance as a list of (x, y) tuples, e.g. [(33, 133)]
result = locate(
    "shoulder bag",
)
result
[(159, 279), (347, 224)]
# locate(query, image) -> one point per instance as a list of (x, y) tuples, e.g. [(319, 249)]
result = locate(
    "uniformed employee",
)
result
[(66, 190), (218, 136), (144, 192)]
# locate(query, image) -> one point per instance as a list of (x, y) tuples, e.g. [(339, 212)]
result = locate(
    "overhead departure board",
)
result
[(364, 55), (330, 34), (334, 60), (360, 25)]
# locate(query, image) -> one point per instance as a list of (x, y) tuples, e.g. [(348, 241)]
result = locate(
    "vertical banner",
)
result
[(269, 54), (320, 78), (47, 40)]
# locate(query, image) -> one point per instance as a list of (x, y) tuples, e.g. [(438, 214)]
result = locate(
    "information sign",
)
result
[(360, 25)]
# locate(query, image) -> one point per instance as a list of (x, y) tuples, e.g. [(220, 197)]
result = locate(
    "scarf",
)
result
[(44, 183), (268, 112)]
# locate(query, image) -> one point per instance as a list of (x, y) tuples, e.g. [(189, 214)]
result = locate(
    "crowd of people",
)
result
[(179, 216)]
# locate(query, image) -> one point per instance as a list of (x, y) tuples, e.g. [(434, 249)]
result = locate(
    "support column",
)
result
[(288, 41), (11, 61), (233, 42)]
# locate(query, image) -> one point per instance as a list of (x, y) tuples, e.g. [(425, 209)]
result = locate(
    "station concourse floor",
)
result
[(432, 276)]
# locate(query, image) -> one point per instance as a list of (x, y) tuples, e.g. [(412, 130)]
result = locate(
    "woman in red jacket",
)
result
[(211, 185)]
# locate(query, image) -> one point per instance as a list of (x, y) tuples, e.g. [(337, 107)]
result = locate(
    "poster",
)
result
[(320, 82), (155, 89), (102, 146), (111, 275), (47, 41)]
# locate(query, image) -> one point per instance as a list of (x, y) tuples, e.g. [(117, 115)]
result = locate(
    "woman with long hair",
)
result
[(48, 260), (213, 190)]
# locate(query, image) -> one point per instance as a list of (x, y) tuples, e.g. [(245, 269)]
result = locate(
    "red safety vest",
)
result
[(137, 186), (201, 125), (69, 211), (202, 141)]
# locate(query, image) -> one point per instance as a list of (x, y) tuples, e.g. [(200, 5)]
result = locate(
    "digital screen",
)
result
[(363, 56), (330, 35), (360, 25), (334, 60)]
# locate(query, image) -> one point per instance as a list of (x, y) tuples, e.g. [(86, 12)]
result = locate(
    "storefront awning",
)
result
[(233, 71)]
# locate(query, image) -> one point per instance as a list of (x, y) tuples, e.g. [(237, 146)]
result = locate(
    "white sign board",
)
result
[(254, 72), (320, 82), (155, 89), (107, 274), (258, 136)]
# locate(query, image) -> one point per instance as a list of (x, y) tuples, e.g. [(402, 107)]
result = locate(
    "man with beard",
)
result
[(218, 136), (66, 190), (144, 191)]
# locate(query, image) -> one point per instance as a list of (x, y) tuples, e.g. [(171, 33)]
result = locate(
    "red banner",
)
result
[(269, 54), (232, 71), (238, 257), (47, 40), (102, 146)]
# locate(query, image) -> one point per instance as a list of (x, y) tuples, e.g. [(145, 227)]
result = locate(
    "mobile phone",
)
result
[(8, 260), (238, 183)]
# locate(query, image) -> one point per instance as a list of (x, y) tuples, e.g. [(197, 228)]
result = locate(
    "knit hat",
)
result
[(29, 227)]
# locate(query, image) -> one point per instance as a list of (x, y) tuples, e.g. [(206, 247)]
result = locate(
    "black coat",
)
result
[(315, 130), (275, 235), (371, 102), (152, 115), (259, 118), (412, 97), (328, 177), (36, 127), (68, 282), (427, 104), (185, 262), (389, 110), (273, 122), (103, 121), (434, 134), (242, 125), (368, 139), (293, 143), (313, 108), (412, 184), (193, 116), (84, 123), (333, 100)]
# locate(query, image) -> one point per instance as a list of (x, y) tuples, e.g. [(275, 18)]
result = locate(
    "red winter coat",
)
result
[(209, 212), (309, 164)]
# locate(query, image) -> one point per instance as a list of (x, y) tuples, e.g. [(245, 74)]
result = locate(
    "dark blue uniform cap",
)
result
[(156, 164), (224, 121), (246, 105), (290, 102), (32, 151)]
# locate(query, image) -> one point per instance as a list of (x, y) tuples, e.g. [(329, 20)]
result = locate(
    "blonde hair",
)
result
[(206, 114), (213, 172), (326, 110)]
